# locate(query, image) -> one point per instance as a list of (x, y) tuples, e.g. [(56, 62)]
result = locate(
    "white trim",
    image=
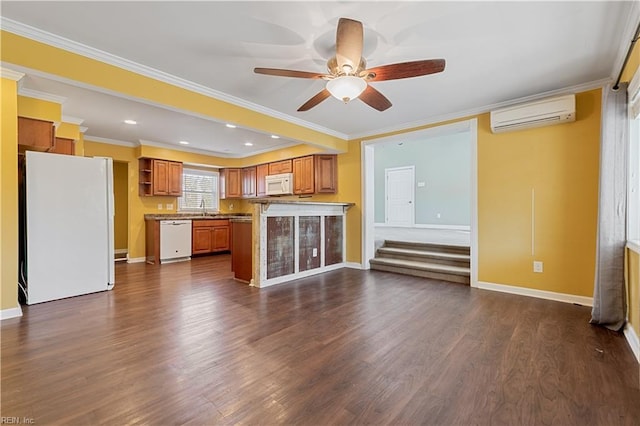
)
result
[(83, 129), (540, 294), (428, 226), (634, 245), (627, 35), (473, 129), (367, 153), (30, 93), (353, 265), (102, 56), (72, 120), (299, 275), (11, 312), (369, 134), (121, 251), (11, 74), (632, 339), (136, 260), (89, 138)]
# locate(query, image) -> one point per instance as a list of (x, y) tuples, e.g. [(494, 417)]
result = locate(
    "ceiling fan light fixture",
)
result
[(346, 88)]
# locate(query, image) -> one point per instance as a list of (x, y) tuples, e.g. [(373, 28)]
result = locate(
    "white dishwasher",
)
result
[(175, 240)]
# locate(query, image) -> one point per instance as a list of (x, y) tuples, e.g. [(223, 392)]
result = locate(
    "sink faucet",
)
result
[(204, 211)]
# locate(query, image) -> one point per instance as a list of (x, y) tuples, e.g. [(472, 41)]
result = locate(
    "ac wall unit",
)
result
[(545, 112)]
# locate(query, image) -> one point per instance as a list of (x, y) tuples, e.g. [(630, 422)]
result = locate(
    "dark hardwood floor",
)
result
[(186, 344)]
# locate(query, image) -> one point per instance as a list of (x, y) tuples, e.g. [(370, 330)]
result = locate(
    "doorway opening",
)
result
[(444, 187)]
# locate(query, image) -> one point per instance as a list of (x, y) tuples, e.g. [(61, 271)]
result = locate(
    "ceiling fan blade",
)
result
[(349, 40), (319, 97), (288, 73), (375, 99), (404, 70)]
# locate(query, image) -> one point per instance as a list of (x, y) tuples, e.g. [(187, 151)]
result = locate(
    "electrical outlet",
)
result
[(315, 252), (169, 206), (438, 215), (537, 266), (231, 206), (159, 206)]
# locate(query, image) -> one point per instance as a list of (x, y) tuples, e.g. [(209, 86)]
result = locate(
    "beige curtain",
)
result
[(609, 305)]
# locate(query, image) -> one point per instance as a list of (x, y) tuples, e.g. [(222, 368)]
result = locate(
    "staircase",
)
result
[(436, 261)]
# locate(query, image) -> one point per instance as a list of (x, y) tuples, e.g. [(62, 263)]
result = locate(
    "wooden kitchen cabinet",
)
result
[(230, 183), (159, 177), (277, 167), (249, 182), (303, 175), (63, 146), (241, 252), (262, 170), (37, 135), (210, 236), (326, 173)]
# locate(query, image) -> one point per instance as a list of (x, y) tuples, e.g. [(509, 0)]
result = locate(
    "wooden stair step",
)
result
[(448, 248), (425, 253), (412, 264)]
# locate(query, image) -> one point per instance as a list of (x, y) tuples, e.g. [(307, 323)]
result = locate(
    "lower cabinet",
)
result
[(210, 236)]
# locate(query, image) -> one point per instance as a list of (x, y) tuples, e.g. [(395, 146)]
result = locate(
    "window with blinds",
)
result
[(199, 190)]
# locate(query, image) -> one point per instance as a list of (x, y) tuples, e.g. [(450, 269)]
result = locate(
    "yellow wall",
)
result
[(121, 201), (9, 196), (632, 277), (560, 163), (39, 109)]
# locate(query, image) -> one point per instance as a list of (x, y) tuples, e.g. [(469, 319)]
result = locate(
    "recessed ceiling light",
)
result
[(231, 126), (184, 143), (275, 137), (131, 121), (248, 144)]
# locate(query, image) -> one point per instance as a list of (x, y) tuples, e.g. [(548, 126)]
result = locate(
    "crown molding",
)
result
[(36, 34), (633, 20), (583, 87), (30, 93), (72, 120), (11, 74), (83, 129), (89, 138)]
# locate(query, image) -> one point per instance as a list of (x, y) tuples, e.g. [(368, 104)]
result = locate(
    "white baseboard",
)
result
[(121, 251), (11, 313), (136, 260), (632, 339), (353, 265), (540, 294), (426, 226)]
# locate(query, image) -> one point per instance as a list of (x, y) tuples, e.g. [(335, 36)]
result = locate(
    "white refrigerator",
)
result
[(69, 226)]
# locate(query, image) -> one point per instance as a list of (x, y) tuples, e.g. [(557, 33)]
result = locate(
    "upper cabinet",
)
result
[(315, 174), (262, 170), (63, 146), (231, 183), (326, 173), (277, 167), (160, 177), (312, 174), (303, 175), (35, 134), (249, 182)]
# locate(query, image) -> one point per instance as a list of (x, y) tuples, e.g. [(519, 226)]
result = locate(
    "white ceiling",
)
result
[(496, 52)]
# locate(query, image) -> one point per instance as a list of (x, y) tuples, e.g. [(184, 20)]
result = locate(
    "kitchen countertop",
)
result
[(196, 216)]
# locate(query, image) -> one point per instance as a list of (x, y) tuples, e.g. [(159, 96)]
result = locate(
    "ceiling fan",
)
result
[(348, 76)]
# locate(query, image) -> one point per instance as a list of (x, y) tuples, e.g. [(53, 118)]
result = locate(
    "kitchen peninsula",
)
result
[(295, 239)]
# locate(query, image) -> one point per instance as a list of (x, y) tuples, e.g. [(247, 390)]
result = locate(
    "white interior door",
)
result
[(399, 196)]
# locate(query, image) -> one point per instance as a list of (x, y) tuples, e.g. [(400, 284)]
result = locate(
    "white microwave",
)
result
[(281, 184)]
